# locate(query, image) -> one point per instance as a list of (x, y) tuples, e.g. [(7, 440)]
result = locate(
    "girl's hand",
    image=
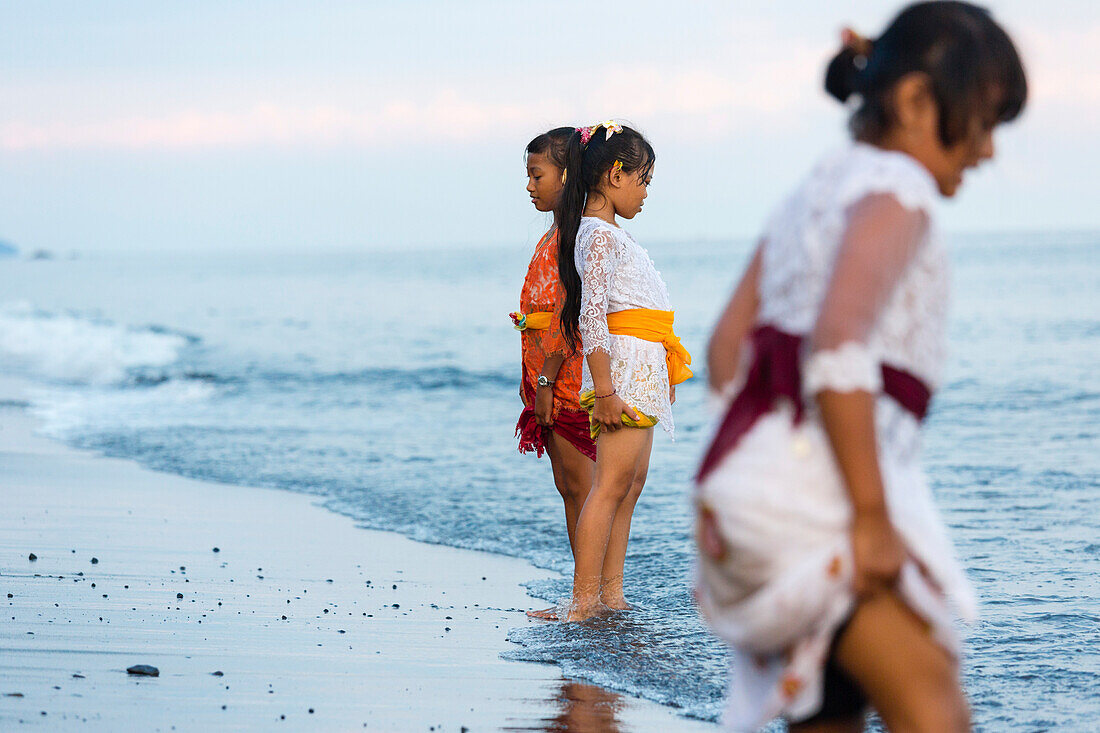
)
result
[(544, 406), (609, 412), (672, 394), (878, 553)]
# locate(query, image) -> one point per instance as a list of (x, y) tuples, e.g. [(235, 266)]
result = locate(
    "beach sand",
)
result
[(297, 620)]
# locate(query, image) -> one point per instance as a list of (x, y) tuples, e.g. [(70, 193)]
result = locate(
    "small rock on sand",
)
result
[(219, 673), (95, 561), (146, 670), (32, 557)]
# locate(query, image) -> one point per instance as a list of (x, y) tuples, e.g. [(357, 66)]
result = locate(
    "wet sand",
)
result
[(297, 620)]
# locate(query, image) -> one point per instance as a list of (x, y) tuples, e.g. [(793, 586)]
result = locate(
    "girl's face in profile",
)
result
[(917, 133), (948, 164), (628, 192), (543, 181)]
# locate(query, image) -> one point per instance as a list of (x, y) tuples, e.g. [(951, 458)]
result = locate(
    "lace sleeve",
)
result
[(552, 339), (882, 237), (597, 259)]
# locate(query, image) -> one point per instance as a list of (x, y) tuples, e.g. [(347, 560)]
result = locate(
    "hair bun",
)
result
[(843, 76)]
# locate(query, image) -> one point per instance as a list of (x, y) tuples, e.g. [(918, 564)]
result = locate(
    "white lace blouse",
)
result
[(617, 274), (897, 317), (903, 319)]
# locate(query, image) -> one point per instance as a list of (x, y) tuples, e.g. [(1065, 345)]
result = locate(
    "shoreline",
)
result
[(311, 621)]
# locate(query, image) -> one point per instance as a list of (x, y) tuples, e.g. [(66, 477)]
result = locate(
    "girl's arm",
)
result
[(724, 349), (544, 396), (601, 257), (881, 239)]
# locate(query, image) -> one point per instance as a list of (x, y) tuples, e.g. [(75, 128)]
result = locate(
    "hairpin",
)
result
[(617, 167)]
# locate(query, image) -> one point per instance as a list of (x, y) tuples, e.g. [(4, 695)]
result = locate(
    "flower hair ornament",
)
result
[(611, 126), (861, 45)]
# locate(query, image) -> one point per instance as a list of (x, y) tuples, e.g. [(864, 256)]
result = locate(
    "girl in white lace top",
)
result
[(617, 312), (822, 558)]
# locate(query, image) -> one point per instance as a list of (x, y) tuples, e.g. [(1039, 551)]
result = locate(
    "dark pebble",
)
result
[(397, 605), (395, 586), (95, 561), (13, 694), (341, 631), (216, 550), (219, 673), (179, 595), (78, 676), (329, 580), (144, 669), (10, 595), (311, 711), (32, 557)]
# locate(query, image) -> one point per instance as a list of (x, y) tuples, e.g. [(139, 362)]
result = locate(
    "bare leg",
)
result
[(573, 472), (911, 680), (618, 458), (611, 588)]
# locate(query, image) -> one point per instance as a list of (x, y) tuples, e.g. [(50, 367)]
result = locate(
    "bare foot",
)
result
[(546, 614), (611, 594), (616, 604), (583, 610)]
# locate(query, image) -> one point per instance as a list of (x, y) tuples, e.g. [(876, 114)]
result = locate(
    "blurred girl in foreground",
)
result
[(822, 559)]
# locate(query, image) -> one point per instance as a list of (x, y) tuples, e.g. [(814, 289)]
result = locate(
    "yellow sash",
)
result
[(588, 402), (655, 326), (539, 320)]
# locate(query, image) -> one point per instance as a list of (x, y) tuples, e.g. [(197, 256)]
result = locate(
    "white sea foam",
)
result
[(71, 348), (66, 411)]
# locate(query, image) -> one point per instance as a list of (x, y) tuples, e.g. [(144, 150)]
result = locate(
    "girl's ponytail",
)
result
[(568, 215)]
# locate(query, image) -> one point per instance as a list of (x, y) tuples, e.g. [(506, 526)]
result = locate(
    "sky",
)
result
[(221, 126)]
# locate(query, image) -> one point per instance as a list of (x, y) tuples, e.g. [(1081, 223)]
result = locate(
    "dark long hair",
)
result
[(966, 55), (551, 144), (585, 167)]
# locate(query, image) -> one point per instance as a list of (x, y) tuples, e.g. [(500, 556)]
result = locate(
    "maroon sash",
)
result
[(775, 373)]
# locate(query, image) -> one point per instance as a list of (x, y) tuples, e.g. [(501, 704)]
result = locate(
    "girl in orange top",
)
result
[(552, 419)]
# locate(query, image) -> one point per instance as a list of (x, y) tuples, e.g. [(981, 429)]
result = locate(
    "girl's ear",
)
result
[(615, 177), (914, 104)]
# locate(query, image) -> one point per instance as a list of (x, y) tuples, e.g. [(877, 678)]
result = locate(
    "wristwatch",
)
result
[(544, 382)]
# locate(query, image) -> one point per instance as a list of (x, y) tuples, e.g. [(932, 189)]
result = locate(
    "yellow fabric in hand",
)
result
[(588, 402), (655, 326)]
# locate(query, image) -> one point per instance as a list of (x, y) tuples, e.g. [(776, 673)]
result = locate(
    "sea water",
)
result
[(387, 383)]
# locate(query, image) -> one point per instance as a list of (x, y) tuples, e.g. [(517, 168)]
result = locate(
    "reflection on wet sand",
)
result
[(583, 708)]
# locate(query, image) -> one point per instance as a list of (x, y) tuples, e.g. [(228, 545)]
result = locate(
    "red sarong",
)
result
[(570, 424)]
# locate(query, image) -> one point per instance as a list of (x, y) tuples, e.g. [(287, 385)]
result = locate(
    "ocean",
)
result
[(386, 383)]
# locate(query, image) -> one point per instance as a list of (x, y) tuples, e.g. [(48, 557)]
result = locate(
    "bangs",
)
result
[(1006, 72)]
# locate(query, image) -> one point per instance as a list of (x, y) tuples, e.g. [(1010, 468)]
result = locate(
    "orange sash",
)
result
[(655, 326)]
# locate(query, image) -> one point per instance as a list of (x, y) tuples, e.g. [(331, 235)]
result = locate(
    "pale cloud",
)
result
[(703, 98)]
